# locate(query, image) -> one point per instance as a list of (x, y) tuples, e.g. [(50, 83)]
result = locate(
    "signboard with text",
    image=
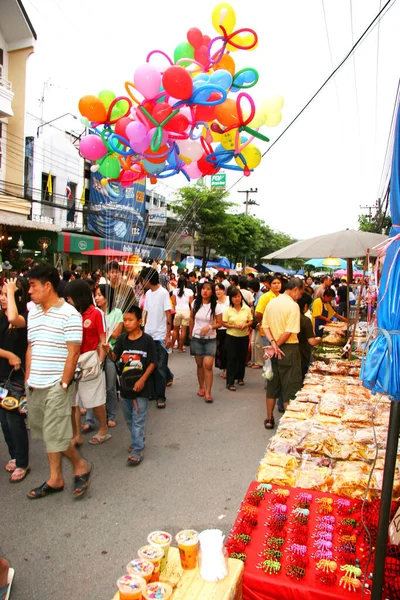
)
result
[(157, 216), (218, 180)]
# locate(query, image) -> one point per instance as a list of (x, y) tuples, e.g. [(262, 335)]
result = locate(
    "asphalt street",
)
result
[(199, 461)]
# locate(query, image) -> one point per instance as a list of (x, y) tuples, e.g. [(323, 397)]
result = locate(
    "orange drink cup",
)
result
[(188, 544), (163, 540), (131, 587), (141, 567), (155, 555), (157, 589)]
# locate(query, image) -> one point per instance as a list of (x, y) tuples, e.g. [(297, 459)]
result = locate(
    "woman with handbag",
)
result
[(91, 389), (13, 345)]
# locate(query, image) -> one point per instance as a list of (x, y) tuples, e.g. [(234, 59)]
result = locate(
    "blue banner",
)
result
[(116, 212)]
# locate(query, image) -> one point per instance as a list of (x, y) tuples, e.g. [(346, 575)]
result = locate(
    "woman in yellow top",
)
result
[(237, 319), (323, 312), (275, 290)]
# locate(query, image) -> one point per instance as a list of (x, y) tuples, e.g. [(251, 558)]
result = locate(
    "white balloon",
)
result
[(190, 149)]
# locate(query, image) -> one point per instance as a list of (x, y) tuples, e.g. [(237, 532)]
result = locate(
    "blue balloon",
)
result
[(222, 78)]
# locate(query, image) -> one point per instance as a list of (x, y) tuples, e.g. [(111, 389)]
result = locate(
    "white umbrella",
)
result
[(347, 244)]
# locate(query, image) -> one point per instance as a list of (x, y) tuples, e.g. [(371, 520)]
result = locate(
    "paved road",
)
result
[(199, 461)]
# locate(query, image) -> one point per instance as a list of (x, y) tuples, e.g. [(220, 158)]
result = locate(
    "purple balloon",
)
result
[(136, 131)]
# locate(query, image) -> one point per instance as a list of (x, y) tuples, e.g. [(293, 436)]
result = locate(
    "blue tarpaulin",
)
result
[(274, 269), (381, 369)]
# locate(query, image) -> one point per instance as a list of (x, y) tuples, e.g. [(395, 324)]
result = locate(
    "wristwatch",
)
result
[(64, 385)]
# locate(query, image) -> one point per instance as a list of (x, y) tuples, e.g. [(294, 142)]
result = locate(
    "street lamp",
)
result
[(20, 244), (52, 121)]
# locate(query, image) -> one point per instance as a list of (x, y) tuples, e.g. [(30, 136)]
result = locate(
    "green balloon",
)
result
[(107, 96), (110, 167), (183, 50)]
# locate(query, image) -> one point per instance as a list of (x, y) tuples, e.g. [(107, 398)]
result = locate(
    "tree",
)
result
[(245, 238), (379, 223), (205, 212)]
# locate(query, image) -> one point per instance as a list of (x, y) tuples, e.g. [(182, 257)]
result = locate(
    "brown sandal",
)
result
[(269, 423)]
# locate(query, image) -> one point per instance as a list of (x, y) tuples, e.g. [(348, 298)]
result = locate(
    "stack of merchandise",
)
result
[(331, 435)]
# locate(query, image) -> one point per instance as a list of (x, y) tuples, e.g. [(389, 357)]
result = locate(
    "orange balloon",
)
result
[(226, 113), (92, 108), (156, 157), (226, 63)]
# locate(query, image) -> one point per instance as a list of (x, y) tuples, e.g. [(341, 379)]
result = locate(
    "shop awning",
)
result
[(12, 219), (76, 243)]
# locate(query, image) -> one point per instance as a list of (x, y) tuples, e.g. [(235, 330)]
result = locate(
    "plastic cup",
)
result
[(163, 540), (141, 567), (155, 555), (188, 544), (157, 589), (131, 587)]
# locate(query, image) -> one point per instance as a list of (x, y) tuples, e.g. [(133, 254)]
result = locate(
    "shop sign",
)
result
[(157, 216), (218, 180), (82, 245), (43, 219)]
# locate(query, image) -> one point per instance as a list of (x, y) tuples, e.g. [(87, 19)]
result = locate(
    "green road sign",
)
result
[(218, 180)]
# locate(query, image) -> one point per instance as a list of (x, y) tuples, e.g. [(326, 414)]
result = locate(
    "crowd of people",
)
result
[(75, 346)]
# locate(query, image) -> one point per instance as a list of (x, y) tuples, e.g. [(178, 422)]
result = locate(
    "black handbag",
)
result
[(12, 395)]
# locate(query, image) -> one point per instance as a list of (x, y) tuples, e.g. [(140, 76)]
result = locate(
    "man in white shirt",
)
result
[(157, 319)]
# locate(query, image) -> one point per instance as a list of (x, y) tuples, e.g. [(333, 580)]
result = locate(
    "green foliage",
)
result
[(232, 235), (377, 224)]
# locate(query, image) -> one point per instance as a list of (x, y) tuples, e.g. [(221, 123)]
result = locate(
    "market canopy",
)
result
[(274, 269), (319, 262), (348, 243), (107, 252)]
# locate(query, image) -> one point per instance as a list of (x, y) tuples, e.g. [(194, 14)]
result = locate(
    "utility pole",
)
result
[(248, 202)]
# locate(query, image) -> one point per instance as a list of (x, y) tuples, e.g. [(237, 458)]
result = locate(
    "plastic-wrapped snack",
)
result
[(349, 364), (314, 478), (280, 460), (278, 444), (328, 419), (308, 397), (312, 388), (331, 405), (277, 475), (350, 479), (381, 417), (299, 410), (314, 442), (365, 435), (355, 415)]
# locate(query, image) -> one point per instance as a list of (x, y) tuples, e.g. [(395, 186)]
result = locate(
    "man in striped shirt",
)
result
[(54, 340)]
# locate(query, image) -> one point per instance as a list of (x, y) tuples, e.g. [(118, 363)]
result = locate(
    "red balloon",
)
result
[(207, 113), (177, 83), (201, 55), (161, 111), (178, 124), (121, 125), (206, 167), (206, 40), (195, 37)]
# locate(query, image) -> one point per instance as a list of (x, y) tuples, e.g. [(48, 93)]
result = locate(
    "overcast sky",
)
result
[(325, 166)]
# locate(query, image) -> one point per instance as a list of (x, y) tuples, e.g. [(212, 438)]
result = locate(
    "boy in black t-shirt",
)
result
[(135, 357), (306, 334)]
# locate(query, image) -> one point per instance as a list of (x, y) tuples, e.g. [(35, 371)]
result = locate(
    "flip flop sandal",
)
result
[(87, 428), (231, 388), (43, 490), (160, 403), (269, 423), (134, 460), (209, 399), (201, 393), (19, 475), (81, 483), (5, 590), (100, 439), (111, 423), (241, 382), (11, 465)]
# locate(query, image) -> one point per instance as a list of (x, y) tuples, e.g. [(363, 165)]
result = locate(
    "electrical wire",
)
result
[(330, 52), (327, 80)]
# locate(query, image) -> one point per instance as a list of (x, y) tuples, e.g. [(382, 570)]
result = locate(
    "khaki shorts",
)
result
[(91, 394), (287, 379), (182, 317), (49, 415)]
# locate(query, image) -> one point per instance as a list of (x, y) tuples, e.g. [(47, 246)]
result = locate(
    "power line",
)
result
[(327, 80)]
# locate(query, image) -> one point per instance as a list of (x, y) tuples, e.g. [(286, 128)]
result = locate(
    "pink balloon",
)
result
[(193, 170), (92, 147), (139, 147), (136, 131), (164, 136), (190, 149), (147, 80)]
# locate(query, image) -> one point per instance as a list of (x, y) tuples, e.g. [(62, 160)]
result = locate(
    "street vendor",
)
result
[(323, 312)]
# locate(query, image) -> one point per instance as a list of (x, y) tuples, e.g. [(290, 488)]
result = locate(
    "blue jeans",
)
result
[(162, 374), (111, 389), (136, 421), (111, 397), (16, 436)]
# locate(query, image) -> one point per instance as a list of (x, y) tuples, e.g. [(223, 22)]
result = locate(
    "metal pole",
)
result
[(386, 500)]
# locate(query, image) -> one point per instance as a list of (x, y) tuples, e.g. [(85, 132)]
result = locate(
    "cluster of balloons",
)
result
[(195, 116)]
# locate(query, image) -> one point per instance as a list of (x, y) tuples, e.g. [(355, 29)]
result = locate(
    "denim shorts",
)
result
[(203, 346)]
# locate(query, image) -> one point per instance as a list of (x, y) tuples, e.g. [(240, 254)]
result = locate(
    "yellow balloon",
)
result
[(242, 39), (223, 14), (216, 137), (258, 120), (252, 156), (228, 140), (273, 119), (272, 105)]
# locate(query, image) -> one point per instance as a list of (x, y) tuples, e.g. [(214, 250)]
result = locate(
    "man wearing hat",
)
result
[(6, 266)]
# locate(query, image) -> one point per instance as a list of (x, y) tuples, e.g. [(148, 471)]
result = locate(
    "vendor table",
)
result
[(188, 585), (257, 585)]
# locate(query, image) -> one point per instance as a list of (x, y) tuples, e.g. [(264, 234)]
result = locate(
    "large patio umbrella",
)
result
[(348, 244), (381, 368)]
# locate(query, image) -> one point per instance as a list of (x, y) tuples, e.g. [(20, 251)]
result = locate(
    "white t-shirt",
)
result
[(225, 283), (204, 317), (155, 304), (182, 302), (224, 305), (248, 296)]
